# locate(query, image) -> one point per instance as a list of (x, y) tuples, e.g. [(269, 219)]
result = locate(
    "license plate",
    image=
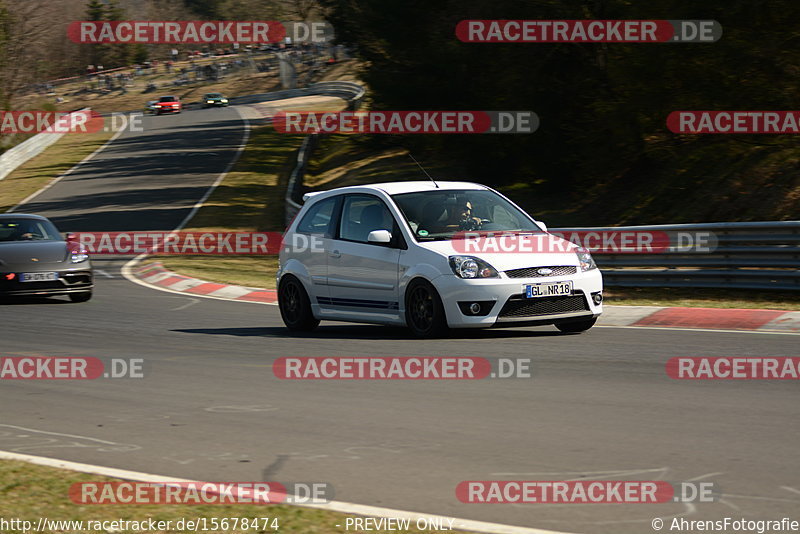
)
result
[(549, 289), (38, 277)]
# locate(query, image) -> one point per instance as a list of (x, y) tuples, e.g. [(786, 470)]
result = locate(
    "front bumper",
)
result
[(159, 111), (216, 104), (507, 306), (69, 281)]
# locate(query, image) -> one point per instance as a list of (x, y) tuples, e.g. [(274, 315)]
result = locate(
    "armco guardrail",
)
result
[(30, 148), (350, 91), (748, 255), (294, 187)]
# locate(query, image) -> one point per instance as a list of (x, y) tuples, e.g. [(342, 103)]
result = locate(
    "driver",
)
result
[(460, 217), (25, 232)]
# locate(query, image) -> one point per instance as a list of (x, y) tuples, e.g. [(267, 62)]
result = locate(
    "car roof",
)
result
[(22, 216), (396, 188)]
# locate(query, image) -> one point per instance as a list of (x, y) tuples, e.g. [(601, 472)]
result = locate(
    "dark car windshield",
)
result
[(167, 99), (28, 230), (213, 95), (437, 215)]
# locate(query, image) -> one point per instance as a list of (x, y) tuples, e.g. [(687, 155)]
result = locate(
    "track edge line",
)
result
[(332, 506)]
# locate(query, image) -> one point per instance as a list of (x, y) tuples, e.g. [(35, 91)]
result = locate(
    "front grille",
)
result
[(16, 285), (517, 306), (530, 272)]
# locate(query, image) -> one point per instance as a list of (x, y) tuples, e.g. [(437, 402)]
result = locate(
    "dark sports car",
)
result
[(214, 99), (36, 261)]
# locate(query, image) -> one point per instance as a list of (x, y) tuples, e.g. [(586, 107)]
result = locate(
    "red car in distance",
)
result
[(168, 104)]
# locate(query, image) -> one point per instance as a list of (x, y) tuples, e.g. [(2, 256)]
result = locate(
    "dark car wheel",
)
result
[(295, 306), (80, 297), (424, 310), (576, 326)]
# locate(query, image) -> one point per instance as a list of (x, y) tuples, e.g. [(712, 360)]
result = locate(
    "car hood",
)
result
[(544, 251), (21, 254)]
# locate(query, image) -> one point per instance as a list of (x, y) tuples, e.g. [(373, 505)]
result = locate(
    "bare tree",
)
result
[(28, 34), (302, 10)]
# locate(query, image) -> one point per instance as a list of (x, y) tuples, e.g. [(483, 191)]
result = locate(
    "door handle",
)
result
[(335, 254)]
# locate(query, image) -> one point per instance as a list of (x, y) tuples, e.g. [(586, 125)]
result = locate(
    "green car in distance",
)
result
[(214, 99)]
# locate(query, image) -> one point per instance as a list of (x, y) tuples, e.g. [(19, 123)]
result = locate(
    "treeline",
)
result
[(34, 47), (603, 107)]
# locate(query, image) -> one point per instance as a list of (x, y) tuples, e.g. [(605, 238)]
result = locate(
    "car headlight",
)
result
[(209, 101), (79, 257), (472, 267), (224, 100), (585, 259)]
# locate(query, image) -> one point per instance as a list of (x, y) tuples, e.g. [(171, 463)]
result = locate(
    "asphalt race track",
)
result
[(599, 406), (147, 180)]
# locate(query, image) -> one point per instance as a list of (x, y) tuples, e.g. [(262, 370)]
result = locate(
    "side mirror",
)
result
[(542, 225), (380, 236), (71, 237)]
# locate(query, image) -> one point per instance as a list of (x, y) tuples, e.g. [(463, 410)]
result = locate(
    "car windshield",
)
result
[(213, 95), (167, 99), (445, 214), (28, 230)]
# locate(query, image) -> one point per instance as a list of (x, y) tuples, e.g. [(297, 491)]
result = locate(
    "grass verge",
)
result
[(249, 271), (29, 492), (249, 199), (701, 298), (53, 162)]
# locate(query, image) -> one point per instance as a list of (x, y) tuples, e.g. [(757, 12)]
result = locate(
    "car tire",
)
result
[(84, 296), (576, 327), (425, 315), (295, 306)]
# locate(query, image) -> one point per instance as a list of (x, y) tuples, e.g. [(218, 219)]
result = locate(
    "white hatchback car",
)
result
[(431, 256)]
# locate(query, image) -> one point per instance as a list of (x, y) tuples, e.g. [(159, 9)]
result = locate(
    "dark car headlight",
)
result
[(585, 259), (471, 267), (78, 257)]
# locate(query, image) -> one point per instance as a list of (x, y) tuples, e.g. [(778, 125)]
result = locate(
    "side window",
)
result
[(319, 219), (361, 215)]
